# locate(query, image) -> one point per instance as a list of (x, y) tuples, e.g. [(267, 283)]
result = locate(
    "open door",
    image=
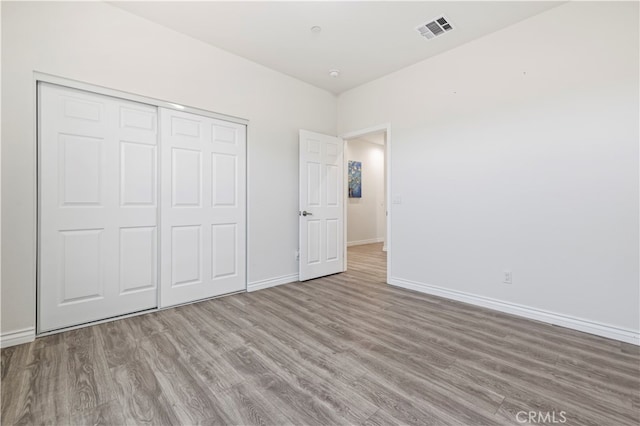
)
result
[(321, 205)]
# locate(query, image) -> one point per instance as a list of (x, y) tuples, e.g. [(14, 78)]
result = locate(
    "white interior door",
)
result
[(321, 205), (203, 213), (98, 207)]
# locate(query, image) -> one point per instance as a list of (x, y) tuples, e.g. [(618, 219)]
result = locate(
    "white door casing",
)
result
[(97, 207), (321, 214), (203, 213)]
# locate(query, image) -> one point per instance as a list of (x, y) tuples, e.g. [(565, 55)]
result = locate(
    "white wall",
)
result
[(99, 44), (0, 170), (519, 151), (366, 215), (516, 151)]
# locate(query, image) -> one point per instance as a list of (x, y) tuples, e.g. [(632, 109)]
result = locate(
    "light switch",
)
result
[(397, 199)]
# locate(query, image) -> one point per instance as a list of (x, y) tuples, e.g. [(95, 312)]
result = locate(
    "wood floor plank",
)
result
[(240, 318), (513, 409), (89, 381), (107, 414), (398, 404), (140, 395), (7, 357), (337, 366), (432, 385), (343, 349), (526, 385), (287, 319), (246, 405), (216, 338), (220, 318), (322, 384), (44, 390), (296, 403), (191, 400), (117, 340), (204, 359), (143, 326), (627, 348), (381, 418), (12, 381)]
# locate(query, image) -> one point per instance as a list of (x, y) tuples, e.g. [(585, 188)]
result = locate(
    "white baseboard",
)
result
[(599, 329), (363, 242), (272, 282), (17, 337)]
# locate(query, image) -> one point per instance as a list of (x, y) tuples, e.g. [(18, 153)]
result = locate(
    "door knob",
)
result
[(306, 213)]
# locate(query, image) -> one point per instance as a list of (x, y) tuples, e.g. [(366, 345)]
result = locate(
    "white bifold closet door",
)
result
[(203, 212), (97, 207)]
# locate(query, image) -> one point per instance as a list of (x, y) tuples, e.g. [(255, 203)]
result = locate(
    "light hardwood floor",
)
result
[(345, 349)]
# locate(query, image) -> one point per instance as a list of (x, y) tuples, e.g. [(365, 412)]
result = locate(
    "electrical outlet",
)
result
[(507, 277)]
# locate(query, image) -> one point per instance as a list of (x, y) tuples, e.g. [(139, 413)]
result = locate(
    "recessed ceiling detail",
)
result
[(435, 27)]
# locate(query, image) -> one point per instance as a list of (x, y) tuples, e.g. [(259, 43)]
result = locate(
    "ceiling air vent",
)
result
[(436, 27)]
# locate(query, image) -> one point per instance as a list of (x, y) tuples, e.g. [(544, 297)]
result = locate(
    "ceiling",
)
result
[(364, 40)]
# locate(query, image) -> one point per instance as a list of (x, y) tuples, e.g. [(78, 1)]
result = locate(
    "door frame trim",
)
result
[(387, 163), (40, 77)]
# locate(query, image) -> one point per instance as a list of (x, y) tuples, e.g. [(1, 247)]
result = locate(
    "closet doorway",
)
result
[(140, 206)]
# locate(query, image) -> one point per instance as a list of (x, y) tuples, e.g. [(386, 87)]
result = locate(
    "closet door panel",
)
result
[(97, 207), (203, 209)]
